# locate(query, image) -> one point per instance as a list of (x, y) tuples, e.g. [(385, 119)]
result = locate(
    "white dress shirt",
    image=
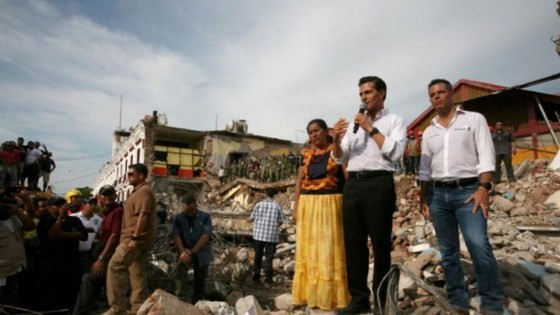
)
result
[(94, 222), (363, 153), (464, 149)]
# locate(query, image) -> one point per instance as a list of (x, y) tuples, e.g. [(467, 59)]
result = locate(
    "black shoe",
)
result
[(354, 309)]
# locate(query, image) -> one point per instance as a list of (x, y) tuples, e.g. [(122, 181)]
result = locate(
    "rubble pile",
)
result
[(523, 226)]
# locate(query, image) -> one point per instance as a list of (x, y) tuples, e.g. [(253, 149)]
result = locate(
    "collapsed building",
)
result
[(180, 159)]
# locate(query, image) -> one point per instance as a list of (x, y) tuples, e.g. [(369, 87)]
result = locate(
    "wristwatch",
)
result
[(488, 186), (373, 131)]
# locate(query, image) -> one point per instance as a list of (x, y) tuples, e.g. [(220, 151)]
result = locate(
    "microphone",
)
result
[(361, 111)]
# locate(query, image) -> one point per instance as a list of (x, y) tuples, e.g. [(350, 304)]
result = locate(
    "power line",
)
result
[(82, 158), (74, 179)]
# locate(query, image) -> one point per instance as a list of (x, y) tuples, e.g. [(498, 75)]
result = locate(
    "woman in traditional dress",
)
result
[(320, 272)]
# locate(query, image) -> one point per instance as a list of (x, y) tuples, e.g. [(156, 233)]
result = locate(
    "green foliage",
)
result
[(86, 191)]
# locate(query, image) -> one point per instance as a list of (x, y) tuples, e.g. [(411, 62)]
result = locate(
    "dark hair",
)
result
[(323, 125), (140, 169), (188, 199), (270, 192), (448, 85), (378, 83)]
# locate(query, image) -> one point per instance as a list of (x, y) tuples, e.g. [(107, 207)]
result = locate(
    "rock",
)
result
[(517, 308), (530, 270), (422, 260), (549, 298), (242, 255), (216, 308), (475, 303), (514, 293), (516, 280), (418, 248), (280, 313), (551, 282), (233, 297), (246, 306), (284, 302), (404, 283), (502, 203), (161, 303), (552, 267), (520, 197), (538, 194), (554, 199), (290, 267), (495, 227), (518, 212), (520, 245)]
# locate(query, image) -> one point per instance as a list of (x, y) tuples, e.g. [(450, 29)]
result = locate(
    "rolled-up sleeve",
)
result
[(345, 146), (395, 142), (484, 147)]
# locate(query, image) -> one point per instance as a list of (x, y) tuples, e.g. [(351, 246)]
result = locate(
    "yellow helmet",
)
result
[(70, 193)]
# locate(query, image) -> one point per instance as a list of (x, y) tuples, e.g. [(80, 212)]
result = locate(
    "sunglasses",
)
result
[(130, 174)]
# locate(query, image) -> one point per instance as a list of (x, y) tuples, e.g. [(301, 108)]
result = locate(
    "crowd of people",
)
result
[(268, 169), (69, 252), (24, 164)]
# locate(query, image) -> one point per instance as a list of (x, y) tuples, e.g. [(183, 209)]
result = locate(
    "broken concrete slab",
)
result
[(162, 303), (248, 306), (502, 203), (284, 302)]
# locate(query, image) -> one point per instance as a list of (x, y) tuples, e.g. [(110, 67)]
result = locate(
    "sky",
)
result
[(64, 65)]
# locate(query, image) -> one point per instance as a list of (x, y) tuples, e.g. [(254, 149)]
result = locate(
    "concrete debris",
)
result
[(248, 306), (284, 302), (161, 303), (523, 228)]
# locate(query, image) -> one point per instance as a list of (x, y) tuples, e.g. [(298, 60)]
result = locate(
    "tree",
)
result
[(86, 191)]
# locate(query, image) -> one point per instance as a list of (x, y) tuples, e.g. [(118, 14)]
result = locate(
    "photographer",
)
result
[(13, 221)]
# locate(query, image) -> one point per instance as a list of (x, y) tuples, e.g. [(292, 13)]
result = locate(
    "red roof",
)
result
[(456, 87)]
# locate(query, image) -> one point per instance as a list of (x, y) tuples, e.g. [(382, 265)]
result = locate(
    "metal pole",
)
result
[(547, 121)]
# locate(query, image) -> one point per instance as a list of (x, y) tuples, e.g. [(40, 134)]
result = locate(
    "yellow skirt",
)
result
[(320, 271)]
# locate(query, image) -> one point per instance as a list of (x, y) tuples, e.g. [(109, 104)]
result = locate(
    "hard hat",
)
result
[(70, 193)]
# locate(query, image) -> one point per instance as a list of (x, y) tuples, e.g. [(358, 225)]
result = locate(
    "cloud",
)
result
[(277, 65)]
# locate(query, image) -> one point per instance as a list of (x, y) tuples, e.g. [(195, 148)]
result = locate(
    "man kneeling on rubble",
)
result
[(192, 229)]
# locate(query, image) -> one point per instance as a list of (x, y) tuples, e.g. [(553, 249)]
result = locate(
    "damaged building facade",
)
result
[(532, 117), (179, 160)]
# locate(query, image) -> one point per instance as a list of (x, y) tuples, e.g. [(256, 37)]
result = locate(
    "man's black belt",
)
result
[(455, 183), (368, 174)]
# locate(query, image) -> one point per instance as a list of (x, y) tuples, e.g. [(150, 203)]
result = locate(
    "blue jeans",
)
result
[(449, 212)]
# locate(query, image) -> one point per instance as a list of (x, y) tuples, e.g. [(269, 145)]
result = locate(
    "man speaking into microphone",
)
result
[(377, 140)]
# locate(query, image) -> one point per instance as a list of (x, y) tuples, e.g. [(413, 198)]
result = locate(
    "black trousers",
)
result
[(367, 210), (269, 249), (199, 281)]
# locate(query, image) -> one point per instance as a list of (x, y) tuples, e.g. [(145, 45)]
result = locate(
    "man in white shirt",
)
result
[(31, 169), (455, 179), (92, 223), (371, 149)]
